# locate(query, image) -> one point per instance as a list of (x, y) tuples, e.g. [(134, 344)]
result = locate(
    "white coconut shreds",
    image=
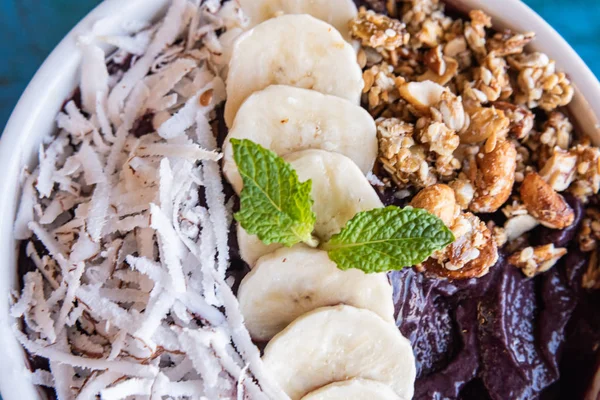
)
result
[(126, 225)]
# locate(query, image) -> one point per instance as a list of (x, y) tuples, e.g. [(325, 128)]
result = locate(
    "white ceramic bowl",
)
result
[(33, 119)]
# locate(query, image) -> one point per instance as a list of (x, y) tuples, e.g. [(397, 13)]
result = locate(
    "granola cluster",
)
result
[(468, 108)]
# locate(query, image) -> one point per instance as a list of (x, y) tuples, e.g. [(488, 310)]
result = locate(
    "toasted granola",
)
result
[(466, 106), (535, 260)]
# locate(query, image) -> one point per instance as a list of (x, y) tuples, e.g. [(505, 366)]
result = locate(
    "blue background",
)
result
[(31, 28)]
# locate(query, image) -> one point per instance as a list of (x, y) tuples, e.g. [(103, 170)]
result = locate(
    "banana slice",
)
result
[(335, 12), (356, 389), (286, 119), (339, 190), (292, 281), (333, 344), (296, 50)]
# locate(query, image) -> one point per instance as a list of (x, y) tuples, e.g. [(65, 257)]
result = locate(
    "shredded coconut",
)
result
[(128, 229)]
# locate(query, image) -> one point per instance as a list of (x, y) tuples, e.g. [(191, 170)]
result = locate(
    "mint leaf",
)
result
[(274, 204), (387, 239)]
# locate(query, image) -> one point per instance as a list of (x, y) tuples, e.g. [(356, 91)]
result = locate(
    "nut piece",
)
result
[(535, 260), (471, 255), (518, 225), (422, 95), (495, 177), (544, 204), (485, 123), (438, 200), (463, 192), (559, 170), (450, 70), (378, 31)]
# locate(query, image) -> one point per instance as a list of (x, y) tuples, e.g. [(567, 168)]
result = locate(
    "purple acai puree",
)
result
[(503, 336)]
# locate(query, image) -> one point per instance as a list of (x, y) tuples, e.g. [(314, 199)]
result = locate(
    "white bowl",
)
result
[(33, 119)]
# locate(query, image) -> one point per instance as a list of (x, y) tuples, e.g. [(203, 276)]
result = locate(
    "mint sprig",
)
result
[(274, 204), (277, 207), (388, 239)]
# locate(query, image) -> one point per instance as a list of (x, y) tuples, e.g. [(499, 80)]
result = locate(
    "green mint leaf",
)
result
[(388, 239), (274, 204)]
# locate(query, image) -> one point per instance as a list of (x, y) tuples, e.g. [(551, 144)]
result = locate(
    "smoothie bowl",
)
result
[(305, 200)]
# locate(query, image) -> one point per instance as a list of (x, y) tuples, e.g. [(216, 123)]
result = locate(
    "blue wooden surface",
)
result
[(31, 28)]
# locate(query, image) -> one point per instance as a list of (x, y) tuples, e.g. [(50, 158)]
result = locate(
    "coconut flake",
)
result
[(40, 377), (129, 387), (167, 80), (136, 44), (62, 202), (73, 281), (164, 37), (26, 205), (97, 214), (170, 242), (94, 385), (127, 220), (204, 101), (94, 78), (93, 170)]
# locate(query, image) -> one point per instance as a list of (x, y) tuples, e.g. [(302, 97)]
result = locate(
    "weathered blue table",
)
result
[(31, 28)]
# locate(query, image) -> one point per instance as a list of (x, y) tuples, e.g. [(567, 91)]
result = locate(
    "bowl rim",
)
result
[(30, 120)]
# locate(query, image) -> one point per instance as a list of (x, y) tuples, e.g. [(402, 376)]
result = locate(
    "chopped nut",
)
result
[(485, 123), (470, 256), (378, 31), (450, 71), (546, 205), (535, 260), (521, 119), (434, 59), (422, 95), (559, 170), (455, 47), (518, 225), (463, 192), (495, 177), (438, 200)]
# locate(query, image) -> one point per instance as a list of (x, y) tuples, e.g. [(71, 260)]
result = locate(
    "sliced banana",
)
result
[(333, 344), (339, 190), (335, 12), (292, 281), (286, 119), (296, 50), (355, 389)]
